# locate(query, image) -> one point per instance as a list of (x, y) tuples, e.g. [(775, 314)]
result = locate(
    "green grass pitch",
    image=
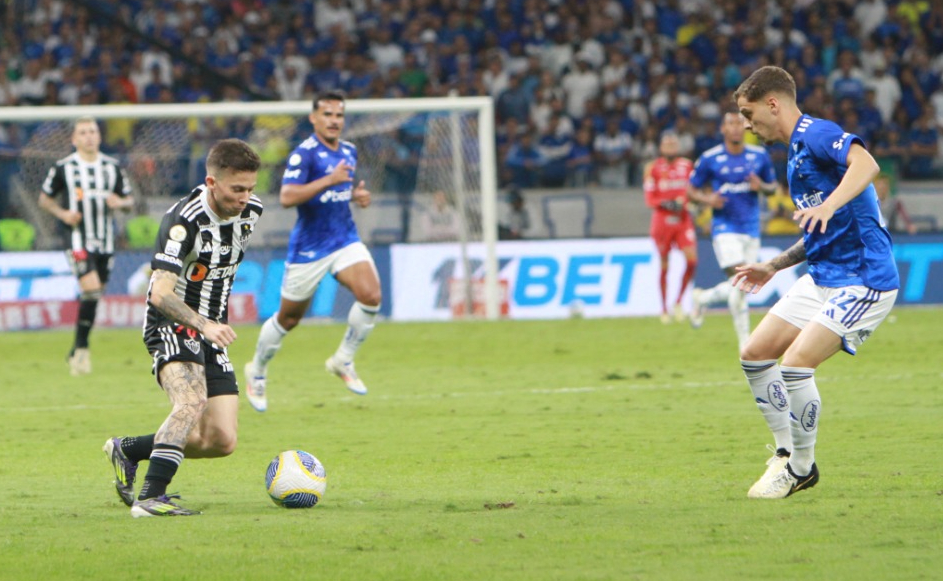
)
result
[(578, 449)]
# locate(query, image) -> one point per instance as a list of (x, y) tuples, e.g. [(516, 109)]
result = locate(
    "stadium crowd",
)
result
[(582, 87)]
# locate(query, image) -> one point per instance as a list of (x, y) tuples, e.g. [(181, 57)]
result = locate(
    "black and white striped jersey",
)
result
[(81, 186), (204, 251)]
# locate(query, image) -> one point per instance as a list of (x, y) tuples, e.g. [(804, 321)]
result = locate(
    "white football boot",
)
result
[(788, 482), (346, 372), (774, 466), (697, 309), (255, 389)]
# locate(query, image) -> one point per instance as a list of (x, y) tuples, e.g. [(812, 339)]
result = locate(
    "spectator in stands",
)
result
[(613, 154), (516, 221), (580, 165), (555, 150), (385, 52), (524, 162), (887, 92), (848, 79), (892, 149), (870, 14), (924, 148), (30, 88), (869, 116), (439, 222), (912, 95), (514, 101), (329, 13), (581, 83)]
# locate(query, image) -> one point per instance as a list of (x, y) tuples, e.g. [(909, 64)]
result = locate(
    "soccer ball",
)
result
[(295, 479)]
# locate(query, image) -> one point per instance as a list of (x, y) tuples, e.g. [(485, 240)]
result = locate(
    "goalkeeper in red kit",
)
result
[(666, 185)]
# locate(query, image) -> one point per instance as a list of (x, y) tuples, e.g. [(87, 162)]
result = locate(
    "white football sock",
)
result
[(805, 407), (769, 391), (360, 321), (740, 311), (270, 341), (715, 294)]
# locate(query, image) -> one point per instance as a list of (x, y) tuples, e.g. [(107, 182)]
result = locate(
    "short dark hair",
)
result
[(765, 80), (232, 154), (329, 95)]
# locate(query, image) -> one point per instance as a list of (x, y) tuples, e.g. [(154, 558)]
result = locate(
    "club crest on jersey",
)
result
[(245, 230), (192, 345)]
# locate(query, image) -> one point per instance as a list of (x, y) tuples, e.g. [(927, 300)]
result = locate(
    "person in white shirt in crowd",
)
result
[(440, 222)]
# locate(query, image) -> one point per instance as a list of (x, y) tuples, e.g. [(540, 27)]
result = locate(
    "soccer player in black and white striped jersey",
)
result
[(202, 240), (83, 190)]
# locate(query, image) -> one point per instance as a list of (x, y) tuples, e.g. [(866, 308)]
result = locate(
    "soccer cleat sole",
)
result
[(123, 486), (354, 384)]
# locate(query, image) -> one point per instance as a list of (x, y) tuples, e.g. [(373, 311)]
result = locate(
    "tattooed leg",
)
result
[(185, 385)]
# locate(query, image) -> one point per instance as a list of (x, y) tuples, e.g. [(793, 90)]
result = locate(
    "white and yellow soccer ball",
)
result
[(295, 479)]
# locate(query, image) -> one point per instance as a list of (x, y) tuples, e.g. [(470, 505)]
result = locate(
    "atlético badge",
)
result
[(192, 345), (178, 233)]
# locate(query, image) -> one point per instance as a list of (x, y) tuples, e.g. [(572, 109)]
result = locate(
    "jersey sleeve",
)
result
[(767, 171), (699, 175), (297, 169), (827, 140), (54, 184), (175, 240)]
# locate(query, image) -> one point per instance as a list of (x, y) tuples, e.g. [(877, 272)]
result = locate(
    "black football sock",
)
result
[(87, 310), (163, 466), (137, 448)]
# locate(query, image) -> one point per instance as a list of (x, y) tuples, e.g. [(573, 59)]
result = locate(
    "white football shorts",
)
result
[(732, 249), (851, 312), (302, 279)]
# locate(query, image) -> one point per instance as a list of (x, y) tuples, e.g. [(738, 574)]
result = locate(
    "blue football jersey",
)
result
[(325, 223), (729, 175), (856, 248)]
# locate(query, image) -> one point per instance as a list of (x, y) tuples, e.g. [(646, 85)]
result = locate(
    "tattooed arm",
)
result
[(790, 257), (164, 298), (751, 277)]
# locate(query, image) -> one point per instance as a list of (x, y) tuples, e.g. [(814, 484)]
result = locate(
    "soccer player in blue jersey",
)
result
[(319, 182), (850, 287), (729, 178)]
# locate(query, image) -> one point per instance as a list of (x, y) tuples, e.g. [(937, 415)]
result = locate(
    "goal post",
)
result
[(453, 150)]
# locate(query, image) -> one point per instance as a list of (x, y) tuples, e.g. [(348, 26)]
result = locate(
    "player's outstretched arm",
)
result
[(750, 278), (862, 169), (165, 300)]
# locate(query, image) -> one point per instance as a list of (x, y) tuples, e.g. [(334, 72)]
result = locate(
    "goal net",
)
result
[(413, 155)]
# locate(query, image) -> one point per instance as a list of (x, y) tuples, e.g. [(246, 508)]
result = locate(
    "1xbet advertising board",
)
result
[(539, 279), (606, 277)]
